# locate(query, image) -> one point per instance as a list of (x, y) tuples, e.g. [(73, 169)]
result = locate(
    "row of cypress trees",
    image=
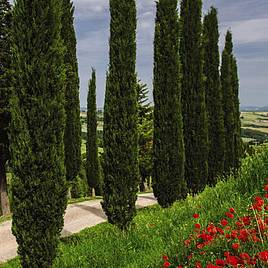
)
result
[(45, 79), (196, 112), (210, 104)]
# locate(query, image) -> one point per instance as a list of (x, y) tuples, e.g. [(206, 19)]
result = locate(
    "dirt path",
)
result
[(78, 216)]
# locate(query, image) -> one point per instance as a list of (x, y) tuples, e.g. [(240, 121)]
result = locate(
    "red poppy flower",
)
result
[(245, 220), (227, 253), (197, 226), (196, 216), (265, 187), (198, 264), (232, 260), (235, 246), (165, 258), (224, 222), (229, 215), (263, 256), (220, 262), (187, 242), (244, 256), (166, 264), (232, 210)]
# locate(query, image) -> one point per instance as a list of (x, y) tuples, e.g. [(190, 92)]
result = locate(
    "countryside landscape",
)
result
[(133, 134)]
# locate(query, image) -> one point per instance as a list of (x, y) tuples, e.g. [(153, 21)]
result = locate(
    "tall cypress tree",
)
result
[(193, 96), (72, 135), (168, 149), (5, 59), (92, 166), (36, 130), (120, 117), (230, 88), (145, 129), (228, 103), (238, 143), (213, 96)]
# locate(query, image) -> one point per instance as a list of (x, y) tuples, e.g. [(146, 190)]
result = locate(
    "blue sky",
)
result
[(248, 20)]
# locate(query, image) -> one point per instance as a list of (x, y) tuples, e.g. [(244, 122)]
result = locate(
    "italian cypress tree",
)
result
[(145, 130), (72, 135), (5, 59), (92, 166), (228, 103), (230, 88), (120, 139), (238, 143), (168, 148), (37, 127), (193, 96), (213, 96)]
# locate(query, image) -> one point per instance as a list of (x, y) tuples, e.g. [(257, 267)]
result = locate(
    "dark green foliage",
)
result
[(5, 58), (238, 143), (168, 149), (39, 191), (79, 184), (120, 117), (145, 129), (213, 97), (193, 96), (72, 135), (92, 162), (228, 107), (232, 124)]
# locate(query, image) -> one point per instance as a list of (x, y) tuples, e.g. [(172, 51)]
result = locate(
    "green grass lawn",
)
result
[(156, 231)]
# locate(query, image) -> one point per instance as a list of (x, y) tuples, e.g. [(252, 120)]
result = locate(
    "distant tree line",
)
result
[(189, 139)]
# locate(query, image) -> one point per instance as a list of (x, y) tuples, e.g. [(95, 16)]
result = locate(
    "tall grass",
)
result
[(156, 231)]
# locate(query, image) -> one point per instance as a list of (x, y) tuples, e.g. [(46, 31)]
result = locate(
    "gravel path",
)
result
[(78, 216)]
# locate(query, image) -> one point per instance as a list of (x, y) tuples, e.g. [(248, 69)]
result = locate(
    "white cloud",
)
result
[(248, 31)]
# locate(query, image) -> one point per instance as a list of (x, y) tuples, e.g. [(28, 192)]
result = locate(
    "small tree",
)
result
[(213, 97), (168, 149), (37, 126), (230, 88), (5, 58), (92, 166), (238, 143), (228, 103), (145, 129), (120, 133), (195, 124), (72, 134)]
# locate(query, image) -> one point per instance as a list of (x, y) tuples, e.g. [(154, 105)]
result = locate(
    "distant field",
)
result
[(254, 126)]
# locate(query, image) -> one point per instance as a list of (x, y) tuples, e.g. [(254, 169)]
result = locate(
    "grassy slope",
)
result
[(157, 231)]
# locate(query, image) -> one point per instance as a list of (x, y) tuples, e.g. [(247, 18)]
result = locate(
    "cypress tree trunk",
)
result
[(37, 128), (4, 201), (193, 97), (168, 149), (5, 91), (72, 135), (213, 97), (120, 118), (92, 166), (228, 103)]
